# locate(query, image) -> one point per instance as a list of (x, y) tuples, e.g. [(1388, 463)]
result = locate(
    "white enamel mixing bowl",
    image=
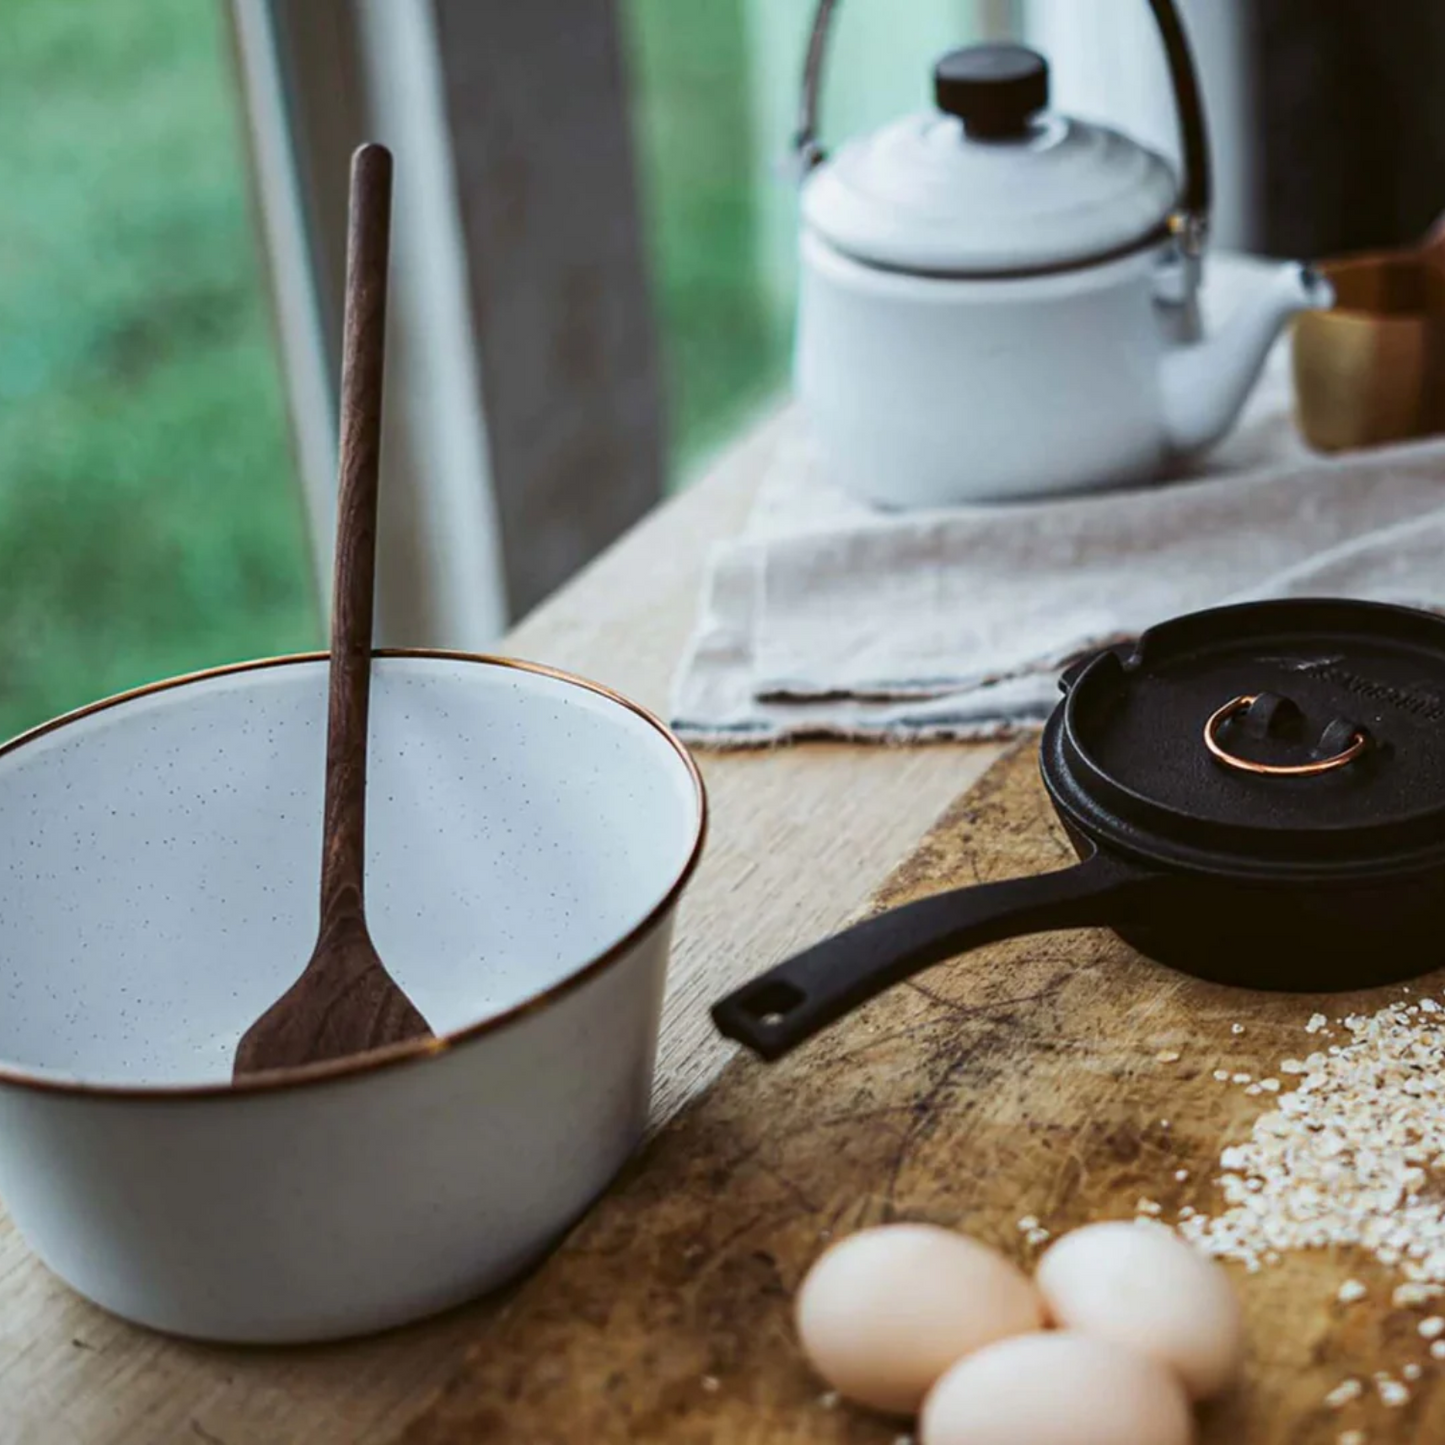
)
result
[(528, 837)]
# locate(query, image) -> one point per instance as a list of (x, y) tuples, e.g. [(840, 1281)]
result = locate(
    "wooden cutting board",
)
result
[(1022, 1080)]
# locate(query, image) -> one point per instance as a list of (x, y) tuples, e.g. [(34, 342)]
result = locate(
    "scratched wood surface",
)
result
[(799, 838), (1023, 1080)]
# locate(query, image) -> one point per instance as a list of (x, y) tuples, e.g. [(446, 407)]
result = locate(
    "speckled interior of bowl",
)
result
[(159, 858)]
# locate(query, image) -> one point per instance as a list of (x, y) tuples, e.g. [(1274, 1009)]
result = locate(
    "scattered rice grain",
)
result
[(1344, 1160), (1414, 1293), (1392, 1393), (1343, 1393)]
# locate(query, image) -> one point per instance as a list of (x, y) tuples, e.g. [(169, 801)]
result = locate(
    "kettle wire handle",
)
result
[(1190, 222), (807, 149)]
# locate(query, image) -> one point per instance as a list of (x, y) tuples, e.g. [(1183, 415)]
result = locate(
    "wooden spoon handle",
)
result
[(368, 244)]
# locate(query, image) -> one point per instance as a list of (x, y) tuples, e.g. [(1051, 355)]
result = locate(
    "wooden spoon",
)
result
[(345, 1002)]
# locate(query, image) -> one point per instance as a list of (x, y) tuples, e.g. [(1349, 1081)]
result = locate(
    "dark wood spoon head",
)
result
[(344, 1003)]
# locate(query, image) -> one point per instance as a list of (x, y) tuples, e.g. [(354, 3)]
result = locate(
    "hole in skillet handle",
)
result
[(769, 1001), (755, 1015)]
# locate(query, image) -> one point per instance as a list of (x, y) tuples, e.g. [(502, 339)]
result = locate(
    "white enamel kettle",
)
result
[(997, 302)]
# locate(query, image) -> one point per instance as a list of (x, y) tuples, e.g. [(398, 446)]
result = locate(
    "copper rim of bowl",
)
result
[(414, 1051)]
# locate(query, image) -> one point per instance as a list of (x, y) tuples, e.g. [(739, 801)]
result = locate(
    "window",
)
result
[(149, 521), (715, 94), (153, 489)]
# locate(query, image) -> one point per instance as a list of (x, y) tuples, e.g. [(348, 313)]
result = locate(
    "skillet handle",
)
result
[(786, 1006)]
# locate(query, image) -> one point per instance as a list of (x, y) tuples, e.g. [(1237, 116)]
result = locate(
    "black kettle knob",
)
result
[(995, 90)]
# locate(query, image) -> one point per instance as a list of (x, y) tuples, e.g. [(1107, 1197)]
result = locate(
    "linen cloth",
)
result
[(827, 617)]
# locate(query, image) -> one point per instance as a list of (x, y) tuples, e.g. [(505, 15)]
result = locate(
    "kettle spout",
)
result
[(1207, 382)]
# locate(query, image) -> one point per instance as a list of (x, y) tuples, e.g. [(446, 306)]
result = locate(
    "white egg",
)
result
[(883, 1313), (1141, 1285), (1056, 1388)]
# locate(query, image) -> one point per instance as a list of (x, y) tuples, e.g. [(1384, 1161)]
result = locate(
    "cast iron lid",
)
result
[(1272, 739)]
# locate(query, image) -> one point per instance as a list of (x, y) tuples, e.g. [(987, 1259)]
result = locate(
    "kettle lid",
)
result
[(991, 182)]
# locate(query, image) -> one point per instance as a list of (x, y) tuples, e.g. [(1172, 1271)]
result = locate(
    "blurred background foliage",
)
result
[(149, 521), (150, 518)]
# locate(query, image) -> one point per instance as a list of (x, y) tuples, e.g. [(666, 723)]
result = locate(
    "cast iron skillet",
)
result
[(1257, 795)]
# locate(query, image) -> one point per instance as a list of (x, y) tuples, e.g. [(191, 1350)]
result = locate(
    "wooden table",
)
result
[(800, 838)]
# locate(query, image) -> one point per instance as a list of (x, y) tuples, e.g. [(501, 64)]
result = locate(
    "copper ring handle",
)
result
[(1272, 770)]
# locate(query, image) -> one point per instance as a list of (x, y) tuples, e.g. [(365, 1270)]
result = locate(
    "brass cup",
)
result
[(1372, 370)]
